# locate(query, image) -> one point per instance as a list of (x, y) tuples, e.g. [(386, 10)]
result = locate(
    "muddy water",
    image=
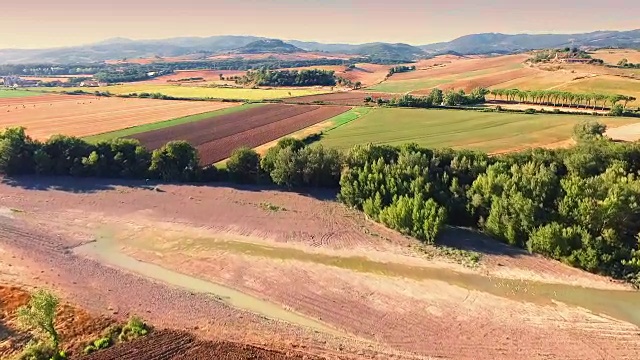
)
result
[(618, 304), (107, 252)]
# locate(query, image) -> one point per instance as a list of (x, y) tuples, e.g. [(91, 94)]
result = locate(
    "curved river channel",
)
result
[(618, 304)]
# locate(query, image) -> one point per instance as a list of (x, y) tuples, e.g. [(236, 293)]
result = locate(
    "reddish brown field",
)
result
[(217, 137), (351, 98), (178, 345), (80, 116)]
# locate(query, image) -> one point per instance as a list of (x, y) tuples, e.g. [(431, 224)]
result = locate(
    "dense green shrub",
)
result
[(175, 161), (588, 130), (244, 166)]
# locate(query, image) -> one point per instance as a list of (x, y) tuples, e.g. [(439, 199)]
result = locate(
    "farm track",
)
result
[(217, 137)]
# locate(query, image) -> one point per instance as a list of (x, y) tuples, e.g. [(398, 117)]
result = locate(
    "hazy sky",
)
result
[(49, 23)]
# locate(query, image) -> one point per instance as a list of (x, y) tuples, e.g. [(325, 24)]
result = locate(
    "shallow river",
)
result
[(619, 304)]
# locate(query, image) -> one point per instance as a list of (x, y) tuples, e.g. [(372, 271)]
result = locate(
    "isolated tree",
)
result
[(244, 165), (39, 315), (588, 130), (175, 161)]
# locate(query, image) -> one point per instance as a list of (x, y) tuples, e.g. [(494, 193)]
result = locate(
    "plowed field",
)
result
[(184, 346), (80, 116), (217, 137)]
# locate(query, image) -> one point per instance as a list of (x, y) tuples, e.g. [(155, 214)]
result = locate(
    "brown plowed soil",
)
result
[(177, 345), (217, 137), (80, 116), (352, 98), (75, 326)]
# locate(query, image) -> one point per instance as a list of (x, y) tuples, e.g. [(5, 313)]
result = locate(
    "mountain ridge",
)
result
[(484, 43)]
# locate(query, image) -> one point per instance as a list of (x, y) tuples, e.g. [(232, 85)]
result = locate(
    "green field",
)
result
[(201, 92), (165, 124), (6, 93), (476, 130)]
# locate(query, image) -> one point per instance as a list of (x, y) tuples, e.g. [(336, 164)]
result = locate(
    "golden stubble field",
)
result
[(80, 116)]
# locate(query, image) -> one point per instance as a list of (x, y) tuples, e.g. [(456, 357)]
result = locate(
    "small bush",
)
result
[(36, 350), (530, 111), (134, 329)]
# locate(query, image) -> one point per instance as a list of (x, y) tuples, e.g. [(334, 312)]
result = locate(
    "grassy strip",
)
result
[(348, 117), (5, 94), (168, 123)]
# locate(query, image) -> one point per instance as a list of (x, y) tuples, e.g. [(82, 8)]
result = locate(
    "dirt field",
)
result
[(80, 116), (216, 138), (178, 345), (315, 257)]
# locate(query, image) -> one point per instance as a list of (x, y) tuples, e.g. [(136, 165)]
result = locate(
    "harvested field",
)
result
[(318, 258), (613, 56), (447, 73), (216, 138), (199, 92), (206, 75), (606, 84), (351, 98), (177, 345), (80, 116), (486, 131)]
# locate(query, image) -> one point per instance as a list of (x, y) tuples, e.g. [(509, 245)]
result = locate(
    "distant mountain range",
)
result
[(120, 48)]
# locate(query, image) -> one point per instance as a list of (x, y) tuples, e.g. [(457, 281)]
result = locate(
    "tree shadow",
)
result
[(473, 240), (93, 185), (71, 184)]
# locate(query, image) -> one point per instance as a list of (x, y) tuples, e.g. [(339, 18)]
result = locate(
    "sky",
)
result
[(47, 23)]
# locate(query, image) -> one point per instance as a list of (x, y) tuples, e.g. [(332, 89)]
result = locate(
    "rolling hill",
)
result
[(503, 43), (119, 48)]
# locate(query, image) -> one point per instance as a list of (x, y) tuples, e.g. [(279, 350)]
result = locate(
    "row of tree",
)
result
[(312, 77), (400, 69), (626, 64), (561, 98), (578, 205), (436, 98)]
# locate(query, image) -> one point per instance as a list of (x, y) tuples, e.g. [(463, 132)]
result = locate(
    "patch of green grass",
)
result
[(165, 124), (203, 92), (271, 207), (485, 131), (348, 117), (7, 93)]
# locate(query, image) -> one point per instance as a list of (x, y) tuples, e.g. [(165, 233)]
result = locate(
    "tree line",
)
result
[(562, 98), (436, 98), (400, 69), (311, 77), (579, 205)]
